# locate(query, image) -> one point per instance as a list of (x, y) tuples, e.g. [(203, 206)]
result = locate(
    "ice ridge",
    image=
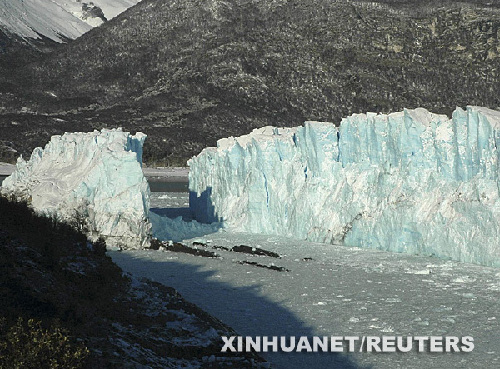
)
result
[(92, 179), (410, 181)]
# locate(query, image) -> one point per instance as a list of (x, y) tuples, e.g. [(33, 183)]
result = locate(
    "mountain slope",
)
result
[(188, 73), (50, 273), (57, 19)]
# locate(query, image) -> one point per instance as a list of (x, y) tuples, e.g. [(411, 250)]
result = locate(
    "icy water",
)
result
[(160, 186), (333, 290)]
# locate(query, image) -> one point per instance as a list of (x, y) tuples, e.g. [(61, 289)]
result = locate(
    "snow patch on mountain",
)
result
[(411, 181), (57, 19), (92, 179)]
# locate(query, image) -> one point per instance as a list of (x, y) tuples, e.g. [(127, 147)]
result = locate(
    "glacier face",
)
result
[(95, 178), (411, 181)]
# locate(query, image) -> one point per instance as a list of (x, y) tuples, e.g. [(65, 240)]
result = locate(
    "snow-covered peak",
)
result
[(57, 19)]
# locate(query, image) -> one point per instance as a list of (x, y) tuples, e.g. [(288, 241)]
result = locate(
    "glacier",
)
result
[(410, 181), (94, 179)]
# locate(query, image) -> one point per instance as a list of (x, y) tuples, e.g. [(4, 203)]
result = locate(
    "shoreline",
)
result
[(166, 174), (7, 169), (160, 174)]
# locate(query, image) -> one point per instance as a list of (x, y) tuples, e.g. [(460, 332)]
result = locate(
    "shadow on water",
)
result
[(241, 307)]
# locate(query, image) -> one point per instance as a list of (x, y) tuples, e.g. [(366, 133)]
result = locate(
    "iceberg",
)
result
[(411, 181), (93, 180), (177, 229)]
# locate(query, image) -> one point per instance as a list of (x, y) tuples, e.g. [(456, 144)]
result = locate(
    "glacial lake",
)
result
[(156, 185)]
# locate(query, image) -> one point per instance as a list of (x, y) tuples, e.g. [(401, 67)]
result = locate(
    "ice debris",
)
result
[(94, 179), (410, 181)]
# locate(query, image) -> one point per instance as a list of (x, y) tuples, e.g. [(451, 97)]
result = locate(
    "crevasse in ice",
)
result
[(94, 178), (411, 181)]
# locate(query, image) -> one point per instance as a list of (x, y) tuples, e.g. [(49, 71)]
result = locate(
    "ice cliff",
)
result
[(411, 181), (93, 179)]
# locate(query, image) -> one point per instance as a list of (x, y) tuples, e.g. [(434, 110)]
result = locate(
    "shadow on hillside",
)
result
[(242, 308)]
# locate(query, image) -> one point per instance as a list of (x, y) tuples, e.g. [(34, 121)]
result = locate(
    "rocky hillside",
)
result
[(187, 73), (51, 274)]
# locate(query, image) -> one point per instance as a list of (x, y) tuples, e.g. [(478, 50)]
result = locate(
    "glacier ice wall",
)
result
[(95, 178), (411, 181)]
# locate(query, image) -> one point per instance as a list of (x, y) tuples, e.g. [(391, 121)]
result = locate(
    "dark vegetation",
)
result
[(187, 73), (65, 304), (30, 346)]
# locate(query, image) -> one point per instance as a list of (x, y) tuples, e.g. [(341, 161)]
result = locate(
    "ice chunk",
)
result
[(177, 230), (92, 178), (411, 181)]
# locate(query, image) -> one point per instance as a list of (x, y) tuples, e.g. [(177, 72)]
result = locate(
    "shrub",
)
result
[(26, 344)]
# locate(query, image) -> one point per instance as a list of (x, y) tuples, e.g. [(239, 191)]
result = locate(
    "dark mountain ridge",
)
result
[(190, 73)]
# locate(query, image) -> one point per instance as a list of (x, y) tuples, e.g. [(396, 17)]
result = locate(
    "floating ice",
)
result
[(411, 181), (93, 178), (176, 229)]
